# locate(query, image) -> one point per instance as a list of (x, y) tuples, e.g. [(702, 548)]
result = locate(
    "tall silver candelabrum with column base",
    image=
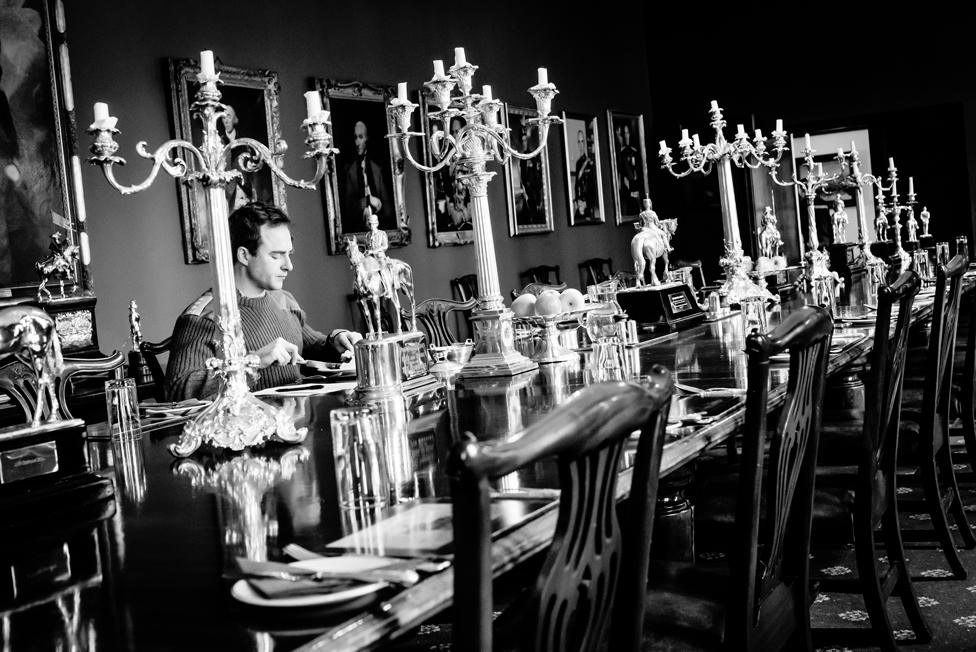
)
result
[(895, 209), (481, 140), (235, 419), (876, 267), (721, 154), (818, 278)]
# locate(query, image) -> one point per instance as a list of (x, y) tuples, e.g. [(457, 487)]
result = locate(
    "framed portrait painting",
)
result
[(447, 200), (628, 164), (584, 178), (41, 201), (527, 186), (252, 100), (367, 177)]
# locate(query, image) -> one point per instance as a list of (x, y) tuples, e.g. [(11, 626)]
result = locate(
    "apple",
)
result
[(571, 299), (524, 305), (548, 304)]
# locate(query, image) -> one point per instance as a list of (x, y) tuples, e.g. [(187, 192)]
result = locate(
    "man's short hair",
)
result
[(246, 222)]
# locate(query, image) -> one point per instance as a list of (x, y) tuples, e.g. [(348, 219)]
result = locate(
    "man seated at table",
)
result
[(272, 321)]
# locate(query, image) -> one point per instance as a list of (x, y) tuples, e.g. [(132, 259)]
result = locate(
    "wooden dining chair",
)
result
[(595, 270), (465, 287), (545, 274), (594, 571), (434, 316), (926, 446), (856, 479), (19, 382), (755, 594)]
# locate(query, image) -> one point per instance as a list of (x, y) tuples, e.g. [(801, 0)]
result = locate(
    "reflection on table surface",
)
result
[(161, 566)]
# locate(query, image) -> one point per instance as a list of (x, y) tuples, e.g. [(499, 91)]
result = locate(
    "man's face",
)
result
[(268, 267), (581, 143), (626, 134), (372, 222), (361, 138)]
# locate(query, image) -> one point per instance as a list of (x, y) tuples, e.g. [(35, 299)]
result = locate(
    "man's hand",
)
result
[(345, 342), (279, 351)]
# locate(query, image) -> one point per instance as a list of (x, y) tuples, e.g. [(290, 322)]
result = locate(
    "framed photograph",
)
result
[(40, 169), (368, 172), (628, 164), (584, 178), (252, 98), (527, 186), (448, 201)]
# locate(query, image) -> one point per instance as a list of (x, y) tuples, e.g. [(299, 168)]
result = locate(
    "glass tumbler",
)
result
[(942, 253), (962, 246), (122, 408), (753, 314), (362, 476)]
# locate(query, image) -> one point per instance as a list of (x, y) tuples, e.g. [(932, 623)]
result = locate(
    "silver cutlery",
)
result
[(273, 570), (423, 565)]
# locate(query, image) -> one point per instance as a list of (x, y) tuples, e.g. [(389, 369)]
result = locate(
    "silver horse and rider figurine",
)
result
[(29, 334), (59, 266), (653, 241), (380, 277)]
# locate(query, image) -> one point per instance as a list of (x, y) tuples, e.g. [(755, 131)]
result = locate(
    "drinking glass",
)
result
[(942, 253), (962, 246), (753, 314), (362, 476), (122, 408), (601, 323)]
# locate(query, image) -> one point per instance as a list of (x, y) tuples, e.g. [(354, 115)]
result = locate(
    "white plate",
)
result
[(243, 592), (330, 368)]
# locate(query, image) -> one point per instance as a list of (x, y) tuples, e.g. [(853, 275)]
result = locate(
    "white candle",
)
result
[(684, 134), (459, 59), (402, 91), (696, 141), (759, 135), (313, 104), (439, 68), (486, 92), (664, 146), (543, 77), (101, 111), (806, 141), (324, 117), (840, 152), (740, 131), (820, 171), (853, 147), (779, 125), (911, 185), (714, 105), (207, 63), (891, 163)]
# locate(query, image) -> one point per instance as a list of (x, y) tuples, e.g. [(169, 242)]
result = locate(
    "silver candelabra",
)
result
[(721, 154), (235, 419), (894, 209), (876, 266), (818, 261), (482, 139)]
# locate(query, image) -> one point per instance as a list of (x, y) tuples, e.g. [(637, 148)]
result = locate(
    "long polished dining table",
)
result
[(159, 572)]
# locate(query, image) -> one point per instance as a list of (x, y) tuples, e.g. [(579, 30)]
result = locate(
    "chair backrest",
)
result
[(465, 287), (545, 274), (433, 316), (538, 288), (595, 270), (882, 396), (18, 381), (697, 275), (942, 340), (150, 354), (587, 567), (770, 565)]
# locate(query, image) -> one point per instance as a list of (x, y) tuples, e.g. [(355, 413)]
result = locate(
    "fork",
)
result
[(296, 551)]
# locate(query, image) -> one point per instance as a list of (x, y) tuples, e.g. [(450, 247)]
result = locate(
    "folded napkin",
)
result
[(272, 588)]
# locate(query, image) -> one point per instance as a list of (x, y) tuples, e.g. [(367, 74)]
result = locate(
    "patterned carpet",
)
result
[(949, 605)]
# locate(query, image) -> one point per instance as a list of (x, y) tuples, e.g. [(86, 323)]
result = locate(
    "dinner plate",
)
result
[(243, 592), (331, 368)]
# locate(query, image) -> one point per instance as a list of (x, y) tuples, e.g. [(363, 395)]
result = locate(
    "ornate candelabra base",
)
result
[(494, 346), (236, 419), (738, 285)]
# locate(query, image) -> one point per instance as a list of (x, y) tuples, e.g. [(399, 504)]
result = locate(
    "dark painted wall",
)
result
[(117, 52)]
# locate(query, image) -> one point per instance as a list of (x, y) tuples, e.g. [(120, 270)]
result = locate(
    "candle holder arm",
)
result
[(164, 157), (260, 154), (405, 146)]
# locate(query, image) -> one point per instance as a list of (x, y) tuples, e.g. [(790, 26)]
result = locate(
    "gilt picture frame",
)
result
[(584, 174), (628, 164), (252, 95), (41, 190), (528, 189), (368, 171)]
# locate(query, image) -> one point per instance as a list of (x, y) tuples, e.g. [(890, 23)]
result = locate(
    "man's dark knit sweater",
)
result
[(196, 338)]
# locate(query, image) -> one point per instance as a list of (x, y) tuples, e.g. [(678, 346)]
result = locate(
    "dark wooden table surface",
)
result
[(157, 574)]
